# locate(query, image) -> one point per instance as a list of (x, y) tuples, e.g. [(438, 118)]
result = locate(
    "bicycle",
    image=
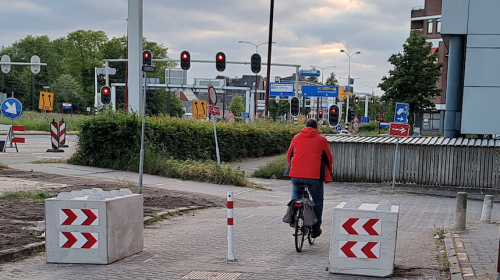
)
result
[(301, 231)]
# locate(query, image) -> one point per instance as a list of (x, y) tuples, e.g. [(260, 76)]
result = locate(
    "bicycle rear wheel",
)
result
[(299, 231)]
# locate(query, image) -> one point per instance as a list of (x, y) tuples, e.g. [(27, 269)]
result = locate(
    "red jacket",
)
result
[(309, 156)]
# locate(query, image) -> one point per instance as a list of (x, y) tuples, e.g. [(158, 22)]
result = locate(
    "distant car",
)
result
[(187, 116)]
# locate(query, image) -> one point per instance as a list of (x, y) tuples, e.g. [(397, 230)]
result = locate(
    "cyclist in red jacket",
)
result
[(310, 163)]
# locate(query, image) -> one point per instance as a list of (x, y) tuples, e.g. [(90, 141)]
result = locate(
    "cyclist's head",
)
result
[(312, 123)]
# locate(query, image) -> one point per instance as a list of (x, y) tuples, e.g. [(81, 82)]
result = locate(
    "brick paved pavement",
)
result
[(264, 246)]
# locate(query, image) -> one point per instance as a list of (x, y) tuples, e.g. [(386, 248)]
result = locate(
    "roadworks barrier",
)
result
[(363, 239), (93, 226)]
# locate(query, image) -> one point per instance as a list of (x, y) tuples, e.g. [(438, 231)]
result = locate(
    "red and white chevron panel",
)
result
[(78, 240), (54, 135), (62, 133), (360, 226), (79, 217), (359, 249)]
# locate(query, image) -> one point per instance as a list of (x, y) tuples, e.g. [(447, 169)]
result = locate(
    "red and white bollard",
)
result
[(230, 231), (54, 137), (62, 134)]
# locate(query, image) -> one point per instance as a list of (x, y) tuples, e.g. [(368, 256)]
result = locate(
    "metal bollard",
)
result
[(461, 211), (230, 230), (487, 208)]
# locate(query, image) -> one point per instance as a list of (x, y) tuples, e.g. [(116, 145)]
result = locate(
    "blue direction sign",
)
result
[(245, 116), (320, 91), (282, 89), (338, 128), (310, 73), (401, 114), (365, 119), (11, 108)]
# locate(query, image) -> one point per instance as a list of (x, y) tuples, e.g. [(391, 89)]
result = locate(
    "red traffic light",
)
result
[(333, 111), (105, 91), (184, 56), (146, 55), (220, 57)]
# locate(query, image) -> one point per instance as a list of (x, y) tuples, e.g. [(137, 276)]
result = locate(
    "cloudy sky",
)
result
[(306, 32)]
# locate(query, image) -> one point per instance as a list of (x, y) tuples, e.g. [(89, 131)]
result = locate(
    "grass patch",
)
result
[(50, 160), (34, 195), (273, 170), (34, 121), (4, 166)]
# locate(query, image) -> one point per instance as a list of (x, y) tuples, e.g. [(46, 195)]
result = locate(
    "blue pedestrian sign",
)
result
[(310, 73), (320, 91), (338, 128), (365, 119), (245, 116), (12, 108), (401, 114)]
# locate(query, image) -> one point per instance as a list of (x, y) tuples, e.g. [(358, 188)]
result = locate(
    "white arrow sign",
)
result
[(11, 108), (400, 119), (402, 130), (401, 111)]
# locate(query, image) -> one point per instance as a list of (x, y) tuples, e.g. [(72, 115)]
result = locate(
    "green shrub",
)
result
[(368, 127), (35, 195), (34, 121), (273, 170)]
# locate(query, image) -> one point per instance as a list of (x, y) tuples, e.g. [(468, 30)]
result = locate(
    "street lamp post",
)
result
[(321, 99), (349, 84), (256, 77), (367, 100)]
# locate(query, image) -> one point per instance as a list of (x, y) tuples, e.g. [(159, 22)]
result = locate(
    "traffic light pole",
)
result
[(141, 160)]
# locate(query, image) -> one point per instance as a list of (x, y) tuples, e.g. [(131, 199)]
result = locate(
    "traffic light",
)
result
[(185, 60), (147, 58), (294, 106), (372, 101), (333, 115), (320, 115), (220, 61), (356, 100), (255, 63), (105, 95), (351, 114)]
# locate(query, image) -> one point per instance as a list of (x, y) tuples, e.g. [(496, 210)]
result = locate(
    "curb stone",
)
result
[(456, 273), (8, 254)]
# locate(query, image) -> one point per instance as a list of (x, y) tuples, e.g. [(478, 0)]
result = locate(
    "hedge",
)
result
[(113, 139)]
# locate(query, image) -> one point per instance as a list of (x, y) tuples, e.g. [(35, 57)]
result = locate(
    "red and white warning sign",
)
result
[(79, 240), (79, 217), (360, 226), (359, 249), (398, 129)]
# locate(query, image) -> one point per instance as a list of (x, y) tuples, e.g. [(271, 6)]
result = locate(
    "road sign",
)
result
[(11, 108), (355, 125), (79, 240), (245, 116), (348, 89), (147, 68), (401, 115), (282, 89), (214, 110), (102, 71), (199, 109), (343, 94), (319, 91), (230, 117), (212, 95), (365, 119), (355, 120), (302, 119), (5, 67), (359, 249), (35, 69), (79, 217), (46, 101), (338, 128), (67, 106), (310, 73), (361, 226), (399, 129)]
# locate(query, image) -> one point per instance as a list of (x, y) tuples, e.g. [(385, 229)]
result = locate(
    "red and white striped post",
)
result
[(54, 137), (230, 231), (62, 134)]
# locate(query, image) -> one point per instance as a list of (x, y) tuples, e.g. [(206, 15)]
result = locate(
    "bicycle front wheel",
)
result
[(299, 231)]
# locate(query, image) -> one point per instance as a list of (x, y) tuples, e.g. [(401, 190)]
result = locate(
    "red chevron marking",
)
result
[(71, 239), (369, 226), (90, 240), (71, 217), (347, 249), (348, 226), (91, 217), (367, 250)]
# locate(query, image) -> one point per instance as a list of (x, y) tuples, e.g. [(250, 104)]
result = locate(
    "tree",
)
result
[(414, 77), (65, 89), (279, 109), (237, 106), (332, 80), (157, 103), (312, 79)]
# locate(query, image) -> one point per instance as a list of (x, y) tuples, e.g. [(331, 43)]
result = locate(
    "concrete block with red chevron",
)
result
[(363, 239), (93, 226)]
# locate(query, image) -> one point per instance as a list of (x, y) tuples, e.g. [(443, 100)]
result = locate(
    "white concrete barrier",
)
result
[(363, 239), (93, 227)]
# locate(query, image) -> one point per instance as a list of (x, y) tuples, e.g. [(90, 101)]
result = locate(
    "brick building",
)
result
[(426, 20)]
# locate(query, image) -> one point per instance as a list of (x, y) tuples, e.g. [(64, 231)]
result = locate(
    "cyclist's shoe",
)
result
[(292, 225), (315, 233)]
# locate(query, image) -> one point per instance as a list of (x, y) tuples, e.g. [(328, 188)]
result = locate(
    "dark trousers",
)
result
[(316, 190)]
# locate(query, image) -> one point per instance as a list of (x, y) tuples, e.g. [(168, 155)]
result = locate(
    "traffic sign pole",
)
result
[(395, 165)]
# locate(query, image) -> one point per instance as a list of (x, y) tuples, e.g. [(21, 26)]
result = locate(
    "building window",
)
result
[(431, 121), (430, 26), (438, 27)]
